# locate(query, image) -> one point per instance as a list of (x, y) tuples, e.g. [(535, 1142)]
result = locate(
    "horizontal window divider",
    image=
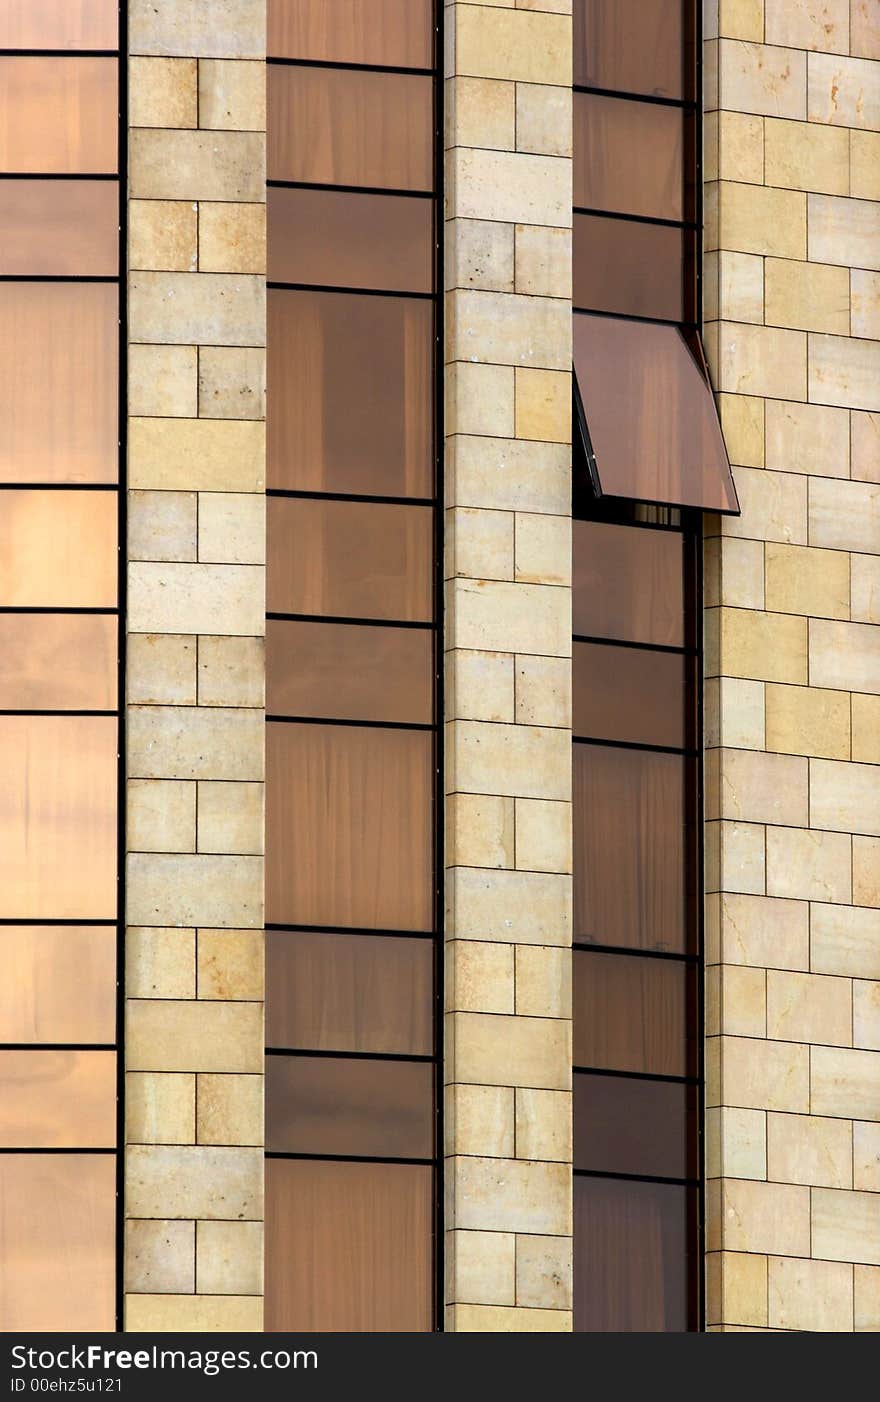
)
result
[(346, 1158), (58, 1046), (344, 722), (349, 496), (612, 513), (623, 316), (685, 104), (355, 67), (364, 622), (350, 291), (104, 922), (640, 647), (349, 189), (58, 175), (57, 711), (56, 608), (58, 486), (59, 53), (635, 745), (635, 1075), (637, 219), (59, 1149), (351, 1055), (296, 929), (627, 951), (56, 277), (637, 1177)]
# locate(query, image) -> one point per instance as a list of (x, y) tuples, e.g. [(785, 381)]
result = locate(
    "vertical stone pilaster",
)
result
[(195, 702), (508, 666)]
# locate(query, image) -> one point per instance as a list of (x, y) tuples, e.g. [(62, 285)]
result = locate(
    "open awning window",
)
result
[(647, 416)]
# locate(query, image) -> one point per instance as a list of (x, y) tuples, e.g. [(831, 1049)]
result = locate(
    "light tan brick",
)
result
[(845, 940), (802, 156), (845, 797), (845, 371), (807, 296), (479, 685), (866, 1156), (232, 528), (866, 1285), (479, 253), (161, 816), (162, 381), (809, 1149), (808, 24), (763, 647), (864, 154), (479, 544), (844, 231), (511, 1196), (522, 476), (742, 420), (480, 399), (808, 865), (481, 112), (763, 1075), (183, 1035), (736, 1288), (864, 29), (766, 80), (814, 1295), (543, 1272), (218, 1184), (524, 47), (735, 857), (162, 526), (507, 187), (232, 95), (843, 91), (808, 581), (501, 617), (845, 1083), (762, 788), (230, 1109), (229, 1258), (734, 713), (480, 830), (498, 1319), (543, 119), (160, 1257), (766, 1217), (866, 870), (844, 656), (184, 598), (481, 1266), (195, 165), (755, 359), (845, 515), (197, 454), (762, 220), (542, 547), (160, 963), (734, 572), (480, 979), (230, 964), (865, 588), (159, 1109), (543, 405), (764, 932), (194, 1314), (512, 330), (231, 671), (515, 907), (230, 818), (739, 19), (740, 147), (743, 1001), (866, 728), (543, 691), (543, 982), (736, 1141), (809, 438), (523, 761), (866, 1014), (163, 234), (231, 29), (808, 721), (543, 835), (480, 1120), (186, 890), (865, 289), (520, 1051), (846, 1226), (232, 238), (232, 382), (809, 1008), (162, 92), (543, 1125), (221, 309)]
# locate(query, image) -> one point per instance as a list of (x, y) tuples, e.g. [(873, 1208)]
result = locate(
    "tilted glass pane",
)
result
[(57, 1099), (628, 157), (629, 46), (58, 116), (628, 584), (344, 238), (338, 671), (398, 33), (349, 1106), (41, 965), (57, 549), (633, 1014)]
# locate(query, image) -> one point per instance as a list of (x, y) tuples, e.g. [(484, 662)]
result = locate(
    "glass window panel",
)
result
[(349, 1106), (355, 806), (630, 1256), (396, 33), (359, 993), (628, 584), (58, 116), (57, 662), (350, 559), (651, 415), (628, 157), (633, 1014), (59, 354), (348, 1247), (343, 672), (58, 817), (370, 129), (57, 1099), (58, 24), (57, 549), (59, 228), (41, 966), (629, 833), (623, 693), (350, 394), (623, 1124), (632, 46), (337, 238), (633, 269), (58, 1228)]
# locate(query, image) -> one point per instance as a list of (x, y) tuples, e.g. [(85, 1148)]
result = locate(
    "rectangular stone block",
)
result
[(845, 940), (230, 964), (809, 438), (509, 187), (735, 857), (162, 380), (159, 1109), (866, 870), (762, 1075), (184, 598), (845, 371), (160, 1257), (480, 399), (232, 238), (768, 933), (193, 1314), (774, 507), (232, 96), (866, 1014), (808, 720), (763, 788), (844, 656), (162, 526), (232, 528), (520, 1051), (844, 231), (811, 1150), (479, 830), (866, 1286), (218, 1184), (864, 147), (520, 46), (809, 1008), (733, 713), (845, 797), (231, 671), (515, 907), (808, 865), (806, 580), (799, 156), (845, 515), (543, 119), (743, 1003), (509, 475), (160, 963), (479, 685), (163, 92), (763, 359), (167, 889), (230, 818), (770, 81), (866, 1156), (197, 455), (479, 253), (865, 309), (163, 234), (521, 760), (511, 330), (803, 24), (736, 1141), (229, 1258), (479, 979), (478, 544), (866, 728), (232, 382), (846, 1226), (771, 1218), (510, 1196), (230, 1109), (543, 1125), (763, 647), (543, 1272), (215, 309), (810, 1295), (736, 1289), (496, 616), (480, 112), (807, 296), (161, 816), (760, 219), (843, 91), (543, 691), (480, 1120), (183, 1035), (481, 1266), (845, 1083), (543, 835), (229, 29), (498, 1319), (197, 165)]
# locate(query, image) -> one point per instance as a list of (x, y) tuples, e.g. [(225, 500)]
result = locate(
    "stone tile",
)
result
[(770, 1218), (734, 572), (231, 671), (866, 728), (760, 1075), (844, 797), (758, 219), (479, 685), (480, 979), (232, 238), (199, 743), (233, 29), (160, 816), (523, 761), (734, 286), (844, 231), (498, 1319), (232, 96), (809, 1008), (845, 940), (743, 1001), (481, 1266), (543, 982), (218, 1184), (480, 399), (543, 835), (763, 359), (864, 156), (740, 147), (194, 1314), (160, 963), (542, 547), (542, 261), (220, 309), (844, 656), (736, 1143), (808, 865), (232, 382), (183, 1035), (736, 1288), (160, 1257), (511, 330), (521, 1051), (865, 588), (507, 186), (230, 1109), (543, 691), (162, 92), (481, 112), (844, 1083), (480, 1120), (197, 454), (865, 303), (186, 598), (196, 165), (503, 617), (194, 890), (514, 476), (163, 234), (515, 907), (544, 1272), (808, 721), (803, 156), (543, 119), (808, 1149), (808, 438), (230, 964), (864, 29), (159, 1109), (734, 713), (511, 1196), (523, 47), (479, 253), (805, 24), (232, 528), (866, 1014), (763, 788), (763, 79), (843, 91), (845, 515), (765, 932), (480, 830), (543, 1125), (229, 1258), (162, 526), (739, 19), (807, 296), (162, 380), (845, 371), (479, 544), (813, 1295), (543, 405), (735, 857), (866, 1156), (764, 647), (809, 581), (866, 871), (846, 1226), (230, 818), (866, 1285)]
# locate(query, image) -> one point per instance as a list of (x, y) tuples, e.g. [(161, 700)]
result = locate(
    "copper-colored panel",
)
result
[(633, 1014), (628, 584), (364, 128), (58, 817), (348, 827), (629, 835), (623, 266), (628, 157), (58, 983), (631, 1268), (632, 46), (358, 993), (59, 24), (59, 228), (340, 238), (58, 116), (351, 394), (57, 549), (57, 1099), (651, 415), (349, 1106), (341, 672), (59, 358), (623, 693), (626, 1124), (350, 559), (396, 33), (348, 1247), (58, 1228), (57, 662)]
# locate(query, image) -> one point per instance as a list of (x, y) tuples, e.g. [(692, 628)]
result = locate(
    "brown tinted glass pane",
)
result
[(349, 827), (350, 401), (57, 662), (58, 817), (58, 116), (59, 227), (348, 1247), (42, 966), (633, 1014), (370, 129), (628, 157), (58, 1228), (349, 559), (623, 1124), (623, 693), (345, 1106), (57, 1099), (630, 1256), (57, 549), (628, 584), (58, 24), (59, 353), (629, 832), (359, 993), (343, 672), (340, 238), (629, 268), (629, 46), (651, 414), (393, 32)]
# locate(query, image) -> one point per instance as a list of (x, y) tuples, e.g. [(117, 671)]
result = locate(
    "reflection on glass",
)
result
[(625, 694), (59, 228), (57, 662), (58, 24), (632, 1014), (623, 1124), (57, 549), (349, 1106), (397, 33), (40, 965), (626, 267), (58, 116), (344, 238), (57, 1099), (338, 671), (628, 157), (628, 584), (631, 46)]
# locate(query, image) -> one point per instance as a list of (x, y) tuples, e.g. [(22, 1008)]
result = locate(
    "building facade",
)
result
[(440, 665)]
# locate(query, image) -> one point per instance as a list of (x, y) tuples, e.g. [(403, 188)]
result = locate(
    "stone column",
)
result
[(196, 552), (508, 666), (793, 666)]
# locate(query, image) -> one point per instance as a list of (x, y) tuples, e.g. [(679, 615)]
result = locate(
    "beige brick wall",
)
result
[(792, 308), (508, 666), (196, 553)]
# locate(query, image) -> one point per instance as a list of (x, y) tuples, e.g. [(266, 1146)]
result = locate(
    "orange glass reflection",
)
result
[(397, 33), (57, 662), (58, 24), (628, 157), (41, 966), (338, 671), (341, 238), (629, 45), (348, 1106), (57, 549), (627, 584), (57, 1099), (59, 228), (58, 116), (58, 817)]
